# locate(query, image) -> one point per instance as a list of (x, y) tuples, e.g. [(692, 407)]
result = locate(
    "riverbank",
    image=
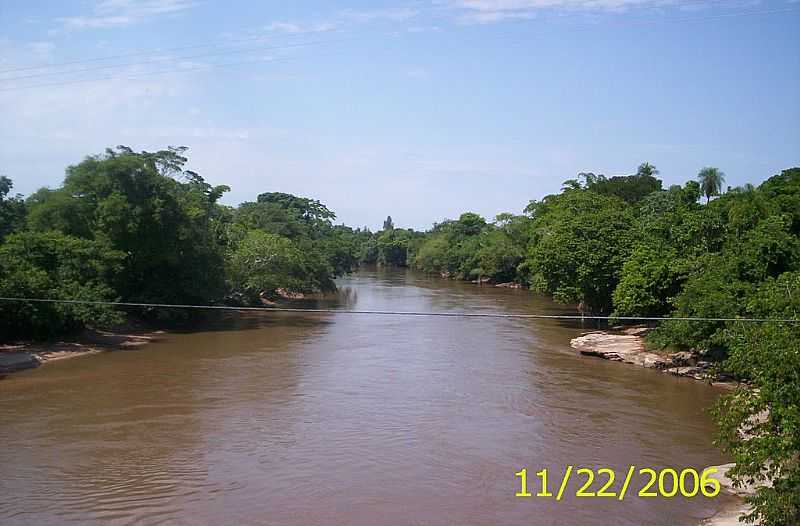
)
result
[(23, 355), (729, 515), (628, 346)]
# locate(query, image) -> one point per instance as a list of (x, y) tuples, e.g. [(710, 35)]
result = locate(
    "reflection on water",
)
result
[(283, 418)]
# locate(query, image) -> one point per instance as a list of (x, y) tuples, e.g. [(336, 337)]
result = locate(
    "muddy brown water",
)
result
[(348, 419)]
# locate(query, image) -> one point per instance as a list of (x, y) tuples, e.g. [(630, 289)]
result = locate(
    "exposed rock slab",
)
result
[(626, 348), (627, 345), (509, 285), (17, 360)]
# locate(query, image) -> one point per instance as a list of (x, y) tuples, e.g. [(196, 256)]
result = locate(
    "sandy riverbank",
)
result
[(729, 514), (18, 356)]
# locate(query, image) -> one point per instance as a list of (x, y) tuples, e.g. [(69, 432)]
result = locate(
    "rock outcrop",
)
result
[(510, 285), (628, 346)]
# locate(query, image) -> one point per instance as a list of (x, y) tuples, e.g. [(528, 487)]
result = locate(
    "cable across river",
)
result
[(401, 313)]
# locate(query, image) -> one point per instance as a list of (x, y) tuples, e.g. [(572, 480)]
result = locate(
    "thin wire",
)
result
[(394, 313)]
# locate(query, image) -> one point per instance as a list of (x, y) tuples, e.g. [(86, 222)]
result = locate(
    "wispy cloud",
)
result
[(394, 14), (487, 11), (114, 13), (293, 28), (343, 19)]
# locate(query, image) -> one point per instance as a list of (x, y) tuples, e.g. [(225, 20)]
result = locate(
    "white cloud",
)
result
[(114, 13)]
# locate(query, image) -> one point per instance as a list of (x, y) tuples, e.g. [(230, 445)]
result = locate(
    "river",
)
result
[(286, 418)]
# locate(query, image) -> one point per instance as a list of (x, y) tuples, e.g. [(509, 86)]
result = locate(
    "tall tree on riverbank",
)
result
[(580, 241), (711, 180), (147, 206)]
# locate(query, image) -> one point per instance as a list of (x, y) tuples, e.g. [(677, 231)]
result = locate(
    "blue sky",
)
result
[(419, 109)]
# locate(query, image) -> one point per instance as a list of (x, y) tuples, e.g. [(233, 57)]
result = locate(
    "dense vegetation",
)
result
[(624, 246), (138, 227)]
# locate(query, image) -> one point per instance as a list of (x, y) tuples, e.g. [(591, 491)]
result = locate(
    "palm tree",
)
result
[(646, 169), (711, 180)]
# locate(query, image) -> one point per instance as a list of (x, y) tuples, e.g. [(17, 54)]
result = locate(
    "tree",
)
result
[(12, 209), (646, 170), (56, 266), (580, 242), (647, 282), (393, 246), (498, 256), (630, 188), (388, 224), (307, 223), (759, 424), (144, 205), (262, 263), (310, 211), (711, 180), (469, 224)]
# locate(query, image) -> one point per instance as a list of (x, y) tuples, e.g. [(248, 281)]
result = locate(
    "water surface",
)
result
[(346, 419)]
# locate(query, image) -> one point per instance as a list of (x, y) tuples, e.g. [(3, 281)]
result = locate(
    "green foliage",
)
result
[(499, 256), (263, 262), (783, 192), (727, 268), (648, 282), (55, 266), (630, 188), (580, 242), (432, 255), (12, 209), (760, 423), (711, 180), (393, 246), (469, 248), (307, 210), (180, 245), (134, 203), (323, 251)]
